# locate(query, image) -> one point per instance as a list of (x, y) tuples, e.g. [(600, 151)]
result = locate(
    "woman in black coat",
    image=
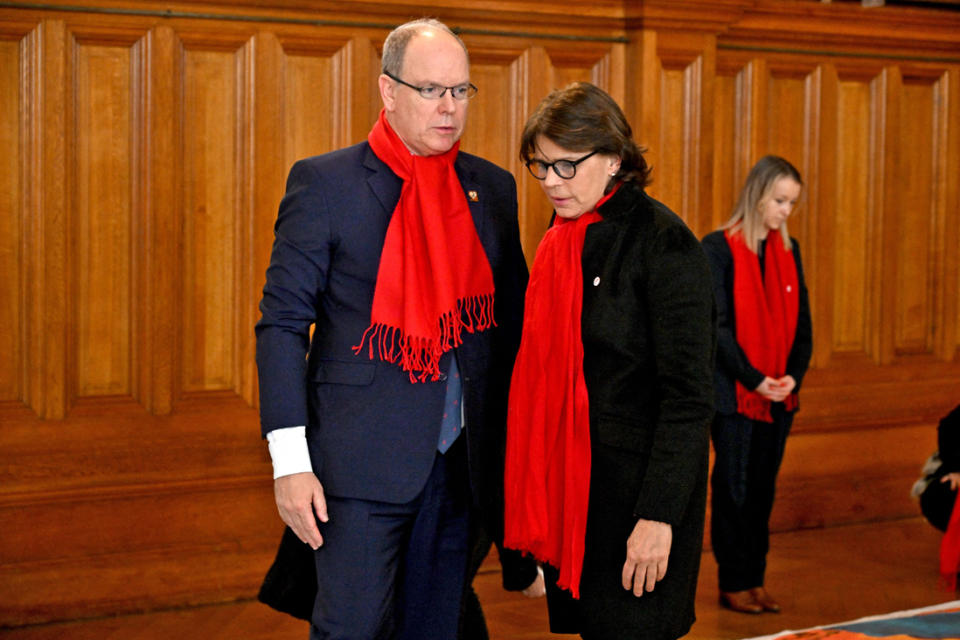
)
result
[(611, 396), (764, 347)]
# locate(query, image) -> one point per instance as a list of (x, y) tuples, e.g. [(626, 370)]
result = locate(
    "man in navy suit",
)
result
[(386, 428)]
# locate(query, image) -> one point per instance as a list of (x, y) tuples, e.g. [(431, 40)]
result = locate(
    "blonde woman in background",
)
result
[(764, 348)]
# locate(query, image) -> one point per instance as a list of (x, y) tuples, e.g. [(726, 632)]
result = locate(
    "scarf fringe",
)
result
[(422, 354)]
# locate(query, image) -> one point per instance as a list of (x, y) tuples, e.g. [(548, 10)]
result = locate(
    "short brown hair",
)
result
[(583, 117)]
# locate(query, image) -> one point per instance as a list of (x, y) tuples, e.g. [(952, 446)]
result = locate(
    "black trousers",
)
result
[(743, 483)]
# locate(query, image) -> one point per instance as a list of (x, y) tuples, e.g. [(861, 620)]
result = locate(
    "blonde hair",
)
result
[(747, 218)]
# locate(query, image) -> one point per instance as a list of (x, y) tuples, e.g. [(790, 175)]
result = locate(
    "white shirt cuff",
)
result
[(288, 450)]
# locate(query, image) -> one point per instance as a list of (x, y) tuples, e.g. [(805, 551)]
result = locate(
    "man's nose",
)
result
[(448, 103)]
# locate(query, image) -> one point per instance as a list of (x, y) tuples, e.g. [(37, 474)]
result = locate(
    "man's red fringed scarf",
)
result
[(547, 477), (950, 548), (434, 279), (765, 309)]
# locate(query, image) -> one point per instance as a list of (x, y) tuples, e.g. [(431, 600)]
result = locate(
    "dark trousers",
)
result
[(473, 624), (396, 571), (748, 456)]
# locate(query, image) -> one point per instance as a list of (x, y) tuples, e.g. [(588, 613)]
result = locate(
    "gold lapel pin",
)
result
[(473, 196)]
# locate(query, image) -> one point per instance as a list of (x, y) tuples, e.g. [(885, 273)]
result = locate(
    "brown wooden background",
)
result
[(143, 152)]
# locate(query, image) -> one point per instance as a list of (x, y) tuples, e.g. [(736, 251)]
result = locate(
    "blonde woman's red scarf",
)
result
[(547, 473), (434, 280), (765, 309)]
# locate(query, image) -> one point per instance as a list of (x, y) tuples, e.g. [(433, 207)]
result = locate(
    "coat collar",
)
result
[(629, 200), (386, 185)]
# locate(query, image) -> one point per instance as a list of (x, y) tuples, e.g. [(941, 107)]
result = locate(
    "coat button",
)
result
[(596, 281)]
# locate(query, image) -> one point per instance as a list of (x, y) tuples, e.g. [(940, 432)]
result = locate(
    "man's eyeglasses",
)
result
[(566, 169), (435, 91)]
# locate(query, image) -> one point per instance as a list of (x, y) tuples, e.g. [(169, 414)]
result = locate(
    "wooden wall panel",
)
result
[(725, 190), (11, 223), (313, 82), (913, 147), (494, 109), (213, 150), (675, 137), (102, 232), (852, 222), (146, 153), (787, 123)]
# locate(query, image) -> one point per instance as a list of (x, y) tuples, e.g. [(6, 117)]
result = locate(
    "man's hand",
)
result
[(648, 548), (299, 497)]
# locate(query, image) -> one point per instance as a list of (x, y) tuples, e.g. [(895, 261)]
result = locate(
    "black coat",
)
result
[(732, 362), (649, 339)]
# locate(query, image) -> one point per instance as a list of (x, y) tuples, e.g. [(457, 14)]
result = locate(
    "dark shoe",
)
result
[(741, 601), (761, 597)]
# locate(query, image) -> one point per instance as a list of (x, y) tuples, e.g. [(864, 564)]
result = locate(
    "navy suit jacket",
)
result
[(373, 434)]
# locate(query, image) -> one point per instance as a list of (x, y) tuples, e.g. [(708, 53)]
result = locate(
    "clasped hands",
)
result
[(776, 389)]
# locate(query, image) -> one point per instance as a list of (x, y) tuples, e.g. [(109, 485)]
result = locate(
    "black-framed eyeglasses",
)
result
[(435, 91), (565, 169)]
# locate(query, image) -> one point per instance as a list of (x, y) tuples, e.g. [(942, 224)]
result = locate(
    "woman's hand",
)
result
[(537, 588), (776, 390), (953, 479), (648, 548)]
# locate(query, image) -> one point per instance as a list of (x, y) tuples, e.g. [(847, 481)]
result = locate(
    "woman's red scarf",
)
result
[(547, 476), (766, 308), (434, 278), (950, 548)]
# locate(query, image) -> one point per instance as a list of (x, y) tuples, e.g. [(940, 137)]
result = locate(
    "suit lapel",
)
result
[(473, 193), (383, 182)]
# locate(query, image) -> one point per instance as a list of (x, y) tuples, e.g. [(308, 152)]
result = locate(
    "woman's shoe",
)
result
[(761, 597), (741, 601)]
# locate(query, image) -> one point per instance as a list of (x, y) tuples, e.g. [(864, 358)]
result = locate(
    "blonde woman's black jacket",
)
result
[(732, 362)]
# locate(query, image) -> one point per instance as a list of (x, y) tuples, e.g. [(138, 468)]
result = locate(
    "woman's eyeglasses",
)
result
[(565, 169)]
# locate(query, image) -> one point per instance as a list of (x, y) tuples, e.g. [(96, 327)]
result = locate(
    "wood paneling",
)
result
[(144, 153), (213, 154), (11, 225), (853, 234), (102, 233)]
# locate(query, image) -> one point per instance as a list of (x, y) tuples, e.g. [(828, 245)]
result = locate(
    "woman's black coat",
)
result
[(649, 339), (732, 363)]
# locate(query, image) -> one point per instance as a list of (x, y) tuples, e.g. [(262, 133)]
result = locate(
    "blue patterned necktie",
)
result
[(452, 419)]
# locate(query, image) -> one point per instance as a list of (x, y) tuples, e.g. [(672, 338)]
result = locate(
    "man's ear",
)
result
[(387, 89)]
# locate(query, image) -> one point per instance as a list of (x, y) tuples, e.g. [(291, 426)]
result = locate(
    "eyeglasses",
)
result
[(565, 169), (435, 91)]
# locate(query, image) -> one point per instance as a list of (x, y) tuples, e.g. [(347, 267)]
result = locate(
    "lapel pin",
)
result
[(473, 196)]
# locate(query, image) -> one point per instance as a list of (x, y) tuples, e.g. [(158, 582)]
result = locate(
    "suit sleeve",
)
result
[(679, 297), (295, 279), (730, 357)]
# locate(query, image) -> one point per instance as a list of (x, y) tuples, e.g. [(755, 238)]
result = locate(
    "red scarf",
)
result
[(766, 308), (950, 548), (434, 278), (547, 477)]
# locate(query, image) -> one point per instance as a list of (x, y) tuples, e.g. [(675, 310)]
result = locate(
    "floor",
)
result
[(820, 576)]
